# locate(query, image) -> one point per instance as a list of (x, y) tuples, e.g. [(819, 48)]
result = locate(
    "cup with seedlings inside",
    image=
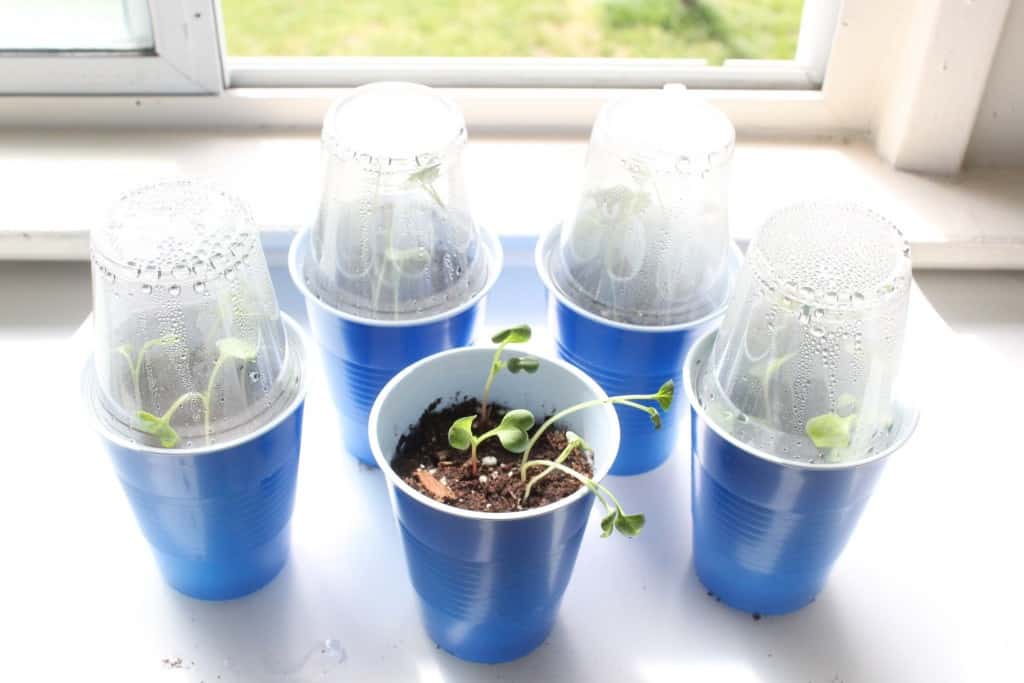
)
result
[(394, 268), (197, 385), (644, 265), (492, 473), (794, 404)]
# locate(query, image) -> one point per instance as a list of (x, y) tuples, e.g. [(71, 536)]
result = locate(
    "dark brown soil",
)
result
[(426, 461)]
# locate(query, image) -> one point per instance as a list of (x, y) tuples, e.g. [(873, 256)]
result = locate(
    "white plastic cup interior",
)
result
[(394, 238), (189, 343), (462, 372), (808, 354), (648, 240)]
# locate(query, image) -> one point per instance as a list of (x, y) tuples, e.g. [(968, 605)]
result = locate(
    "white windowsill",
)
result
[(58, 184)]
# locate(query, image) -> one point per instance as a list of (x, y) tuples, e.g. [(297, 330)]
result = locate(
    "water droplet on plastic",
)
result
[(254, 376), (147, 289), (199, 286), (174, 290)]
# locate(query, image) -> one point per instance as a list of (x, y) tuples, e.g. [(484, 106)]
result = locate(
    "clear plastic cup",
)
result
[(394, 238), (190, 348), (648, 241), (805, 362)]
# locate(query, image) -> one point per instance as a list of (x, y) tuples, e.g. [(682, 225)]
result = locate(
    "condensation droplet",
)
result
[(174, 290)]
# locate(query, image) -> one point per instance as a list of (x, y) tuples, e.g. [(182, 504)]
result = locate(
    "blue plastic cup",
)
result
[(766, 530), (626, 359), (217, 518), (360, 355), (490, 584)]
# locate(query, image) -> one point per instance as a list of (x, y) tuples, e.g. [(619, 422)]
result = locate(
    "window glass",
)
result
[(75, 25), (714, 30)]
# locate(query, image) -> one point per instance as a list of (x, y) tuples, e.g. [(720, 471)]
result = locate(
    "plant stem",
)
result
[(495, 369), (561, 458), (574, 409), (209, 396), (594, 487), (429, 187), (135, 377), (472, 453), (180, 401)]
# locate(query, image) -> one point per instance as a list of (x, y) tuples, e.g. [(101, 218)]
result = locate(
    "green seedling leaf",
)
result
[(665, 394), (460, 434), (240, 349), (830, 430), (512, 430), (427, 174), (158, 427), (608, 523), (513, 335), (519, 418), (629, 525), (525, 363)]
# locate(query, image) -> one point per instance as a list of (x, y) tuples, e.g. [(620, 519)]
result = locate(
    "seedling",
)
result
[(574, 441), (663, 396), (615, 518), (765, 373), (832, 430), (411, 260), (513, 335), (135, 363), (425, 178), (229, 348), (512, 432), (514, 437)]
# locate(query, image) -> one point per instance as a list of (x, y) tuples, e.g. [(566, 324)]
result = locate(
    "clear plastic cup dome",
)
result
[(806, 359), (190, 348), (394, 238), (648, 241)]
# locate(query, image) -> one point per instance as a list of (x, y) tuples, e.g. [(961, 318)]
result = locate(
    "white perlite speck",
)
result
[(483, 478), (488, 461)]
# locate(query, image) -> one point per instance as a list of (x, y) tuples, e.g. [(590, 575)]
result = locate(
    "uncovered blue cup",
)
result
[(489, 584), (217, 518), (767, 530), (361, 354), (626, 359)]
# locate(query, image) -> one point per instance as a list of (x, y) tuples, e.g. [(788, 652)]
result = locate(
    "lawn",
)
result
[(712, 29)]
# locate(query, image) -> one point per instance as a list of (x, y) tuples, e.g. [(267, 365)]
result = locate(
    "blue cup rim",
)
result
[(541, 259), (296, 339), (297, 254), (908, 418), (385, 465)]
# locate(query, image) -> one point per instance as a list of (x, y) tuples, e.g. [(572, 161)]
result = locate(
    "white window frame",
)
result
[(186, 59), (875, 74)]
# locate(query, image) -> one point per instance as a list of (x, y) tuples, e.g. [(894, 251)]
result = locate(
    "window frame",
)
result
[(867, 79), (186, 59)]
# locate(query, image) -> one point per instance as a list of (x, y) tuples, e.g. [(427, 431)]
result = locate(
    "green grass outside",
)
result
[(712, 29)]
